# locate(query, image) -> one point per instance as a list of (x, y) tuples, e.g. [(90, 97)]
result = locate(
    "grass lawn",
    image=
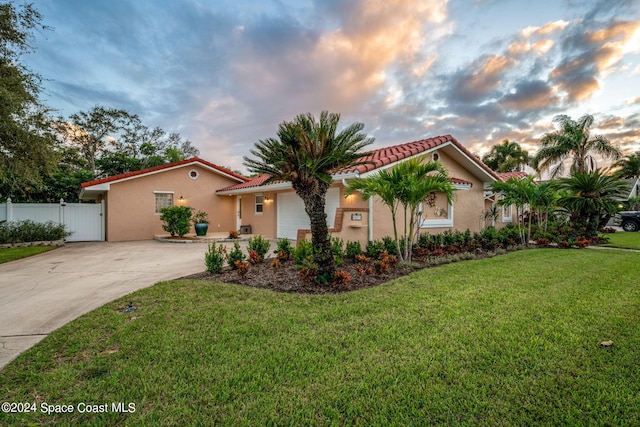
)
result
[(10, 254), (511, 340), (623, 240)]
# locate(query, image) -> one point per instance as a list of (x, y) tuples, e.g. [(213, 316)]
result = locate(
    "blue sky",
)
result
[(224, 74)]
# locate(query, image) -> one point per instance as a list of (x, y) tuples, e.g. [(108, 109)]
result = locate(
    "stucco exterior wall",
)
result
[(261, 223), (131, 204)]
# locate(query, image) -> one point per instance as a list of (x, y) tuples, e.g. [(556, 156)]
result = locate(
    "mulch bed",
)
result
[(286, 278)]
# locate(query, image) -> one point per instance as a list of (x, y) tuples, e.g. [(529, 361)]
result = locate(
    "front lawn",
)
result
[(624, 240), (11, 254), (510, 340)]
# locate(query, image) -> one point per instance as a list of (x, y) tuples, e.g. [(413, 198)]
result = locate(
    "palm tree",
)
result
[(506, 157), (629, 166), (406, 185), (572, 140), (521, 193), (306, 152), (591, 196)]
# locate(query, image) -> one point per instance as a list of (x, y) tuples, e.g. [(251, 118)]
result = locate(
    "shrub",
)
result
[(233, 234), (390, 244), (214, 258), (260, 245), (254, 257), (308, 271), (235, 255), (353, 249), (30, 231), (177, 220), (284, 247), (337, 247), (375, 248), (303, 250), (385, 262), (200, 217), (341, 280), (242, 267)]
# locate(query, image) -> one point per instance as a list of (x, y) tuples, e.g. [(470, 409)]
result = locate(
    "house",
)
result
[(233, 202), (274, 210), (132, 201)]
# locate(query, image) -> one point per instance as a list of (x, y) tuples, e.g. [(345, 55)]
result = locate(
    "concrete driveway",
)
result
[(41, 293)]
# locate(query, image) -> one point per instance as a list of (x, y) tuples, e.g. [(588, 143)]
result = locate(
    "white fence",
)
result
[(85, 221)]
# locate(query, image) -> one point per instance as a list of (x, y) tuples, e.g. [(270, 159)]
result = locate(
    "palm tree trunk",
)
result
[(322, 254)]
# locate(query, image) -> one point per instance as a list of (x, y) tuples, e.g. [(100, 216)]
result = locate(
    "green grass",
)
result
[(11, 254), (511, 340), (624, 240)]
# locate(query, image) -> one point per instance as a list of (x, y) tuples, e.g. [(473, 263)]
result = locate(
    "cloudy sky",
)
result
[(224, 74)]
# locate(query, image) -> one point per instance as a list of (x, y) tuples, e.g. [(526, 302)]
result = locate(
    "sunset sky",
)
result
[(224, 74)]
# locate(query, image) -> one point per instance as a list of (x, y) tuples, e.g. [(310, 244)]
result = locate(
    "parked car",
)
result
[(630, 220)]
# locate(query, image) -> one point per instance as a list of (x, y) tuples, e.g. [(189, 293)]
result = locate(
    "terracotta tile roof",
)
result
[(504, 176), (385, 156), (161, 167)]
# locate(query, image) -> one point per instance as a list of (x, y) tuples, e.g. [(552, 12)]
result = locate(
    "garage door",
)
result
[(292, 216)]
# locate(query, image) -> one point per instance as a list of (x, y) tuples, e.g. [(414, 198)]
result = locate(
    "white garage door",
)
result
[(292, 216)]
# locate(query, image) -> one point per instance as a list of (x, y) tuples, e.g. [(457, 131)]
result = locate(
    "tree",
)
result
[(408, 184), (26, 145), (92, 131), (629, 166), (518, 192), (506, 157), (306, 152), (591, 198), (572, 140)]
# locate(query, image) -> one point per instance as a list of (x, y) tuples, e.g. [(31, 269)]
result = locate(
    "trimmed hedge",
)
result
[(30, 231)]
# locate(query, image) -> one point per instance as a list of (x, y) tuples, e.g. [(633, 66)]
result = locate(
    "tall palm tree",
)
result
[(506, 157), (629, 166), (305, 153), (591, 196), (406, 185), (572, 140)]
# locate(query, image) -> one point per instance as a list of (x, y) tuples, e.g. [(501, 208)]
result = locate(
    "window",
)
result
[(436, 212), (506, 214), (164, 199), (193, 174), (259, 203)]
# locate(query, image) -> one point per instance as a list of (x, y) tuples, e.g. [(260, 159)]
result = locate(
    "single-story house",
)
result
[(133, 200)]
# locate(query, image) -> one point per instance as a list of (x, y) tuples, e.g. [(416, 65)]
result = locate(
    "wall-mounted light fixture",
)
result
[(181, 200)]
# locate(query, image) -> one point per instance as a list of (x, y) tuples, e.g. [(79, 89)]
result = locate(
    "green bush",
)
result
[(303, 251), (353, 249), (258, 244), (30, 231), (214, 258), (235, 255), (177, 220), (375, 248), (337, 247), (284, 246)]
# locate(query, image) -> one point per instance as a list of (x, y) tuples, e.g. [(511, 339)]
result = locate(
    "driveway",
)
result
[(41, 293)]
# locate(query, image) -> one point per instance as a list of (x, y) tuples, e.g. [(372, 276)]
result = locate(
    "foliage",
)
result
[(243, 267), (284, 246), (629, 166), (200, 217), (353, 249), (506, 157), (341, 280), (337, 247), (27, 146), (374, 248), (234, 234), (406, 185), (260, 245), (235, 255), (214, 258), (254, 257), (306, 152), (177, 220), (572, 140), (30, 231), (302, 251), (308, 270), (591, 195)]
